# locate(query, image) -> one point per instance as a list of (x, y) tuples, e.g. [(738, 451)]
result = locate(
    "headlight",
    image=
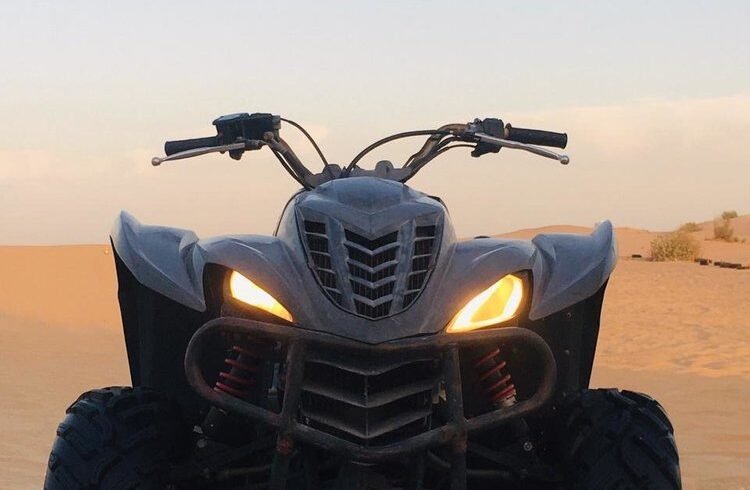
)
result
[(496, 304), (245, 290)]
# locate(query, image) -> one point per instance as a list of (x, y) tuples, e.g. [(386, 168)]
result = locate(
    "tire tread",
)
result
[(116, 438), (618, 440)]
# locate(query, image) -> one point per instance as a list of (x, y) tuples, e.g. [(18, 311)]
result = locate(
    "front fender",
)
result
[(161, 258), (571, 268), (565, 268), (171, 261)]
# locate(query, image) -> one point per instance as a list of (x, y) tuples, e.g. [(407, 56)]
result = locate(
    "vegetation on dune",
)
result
[(674, 246), (723, 229), (689, 227)]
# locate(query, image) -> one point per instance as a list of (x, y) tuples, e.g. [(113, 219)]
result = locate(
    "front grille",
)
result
[(424, 243), (371, 276), (372, 272), (317, 249), (366, 401)]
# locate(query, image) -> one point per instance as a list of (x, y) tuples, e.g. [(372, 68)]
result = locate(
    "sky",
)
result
[(655, 98)]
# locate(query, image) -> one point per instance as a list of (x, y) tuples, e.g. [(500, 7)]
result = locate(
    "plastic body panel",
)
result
[(566, 269), (169, 280)]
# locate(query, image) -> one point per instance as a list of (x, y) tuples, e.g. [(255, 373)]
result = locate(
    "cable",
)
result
[(444, 149), (310, 138), (416, 168), (431, 142), (438, 145), (290, 171), (406, 134)]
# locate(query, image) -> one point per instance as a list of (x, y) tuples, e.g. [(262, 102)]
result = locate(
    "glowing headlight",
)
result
[(496, 304), (245, 290)]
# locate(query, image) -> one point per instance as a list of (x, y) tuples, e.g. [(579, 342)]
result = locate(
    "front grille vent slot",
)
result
[(369, 407), (318, 250), (422, 254), (373, 277), (372, 272)]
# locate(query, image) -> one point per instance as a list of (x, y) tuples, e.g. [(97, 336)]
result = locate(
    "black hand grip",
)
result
[(172, 147), (536, 137)]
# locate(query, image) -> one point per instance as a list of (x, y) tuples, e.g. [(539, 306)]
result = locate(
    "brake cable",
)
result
[(406, 134), (441, 149), (309, 138), (289, 170), (427, 152), (433, 141), (326, 167)]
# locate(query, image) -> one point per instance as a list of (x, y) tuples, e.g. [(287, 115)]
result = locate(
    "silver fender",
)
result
[(566, 269), (171, 260), (161, 258), (570, 268)]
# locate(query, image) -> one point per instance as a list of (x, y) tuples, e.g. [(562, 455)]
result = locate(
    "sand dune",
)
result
[(636, 241), (678, 331), (740, 225)]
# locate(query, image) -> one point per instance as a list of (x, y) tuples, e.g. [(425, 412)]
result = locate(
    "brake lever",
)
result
[(243, 145), (563, 159)]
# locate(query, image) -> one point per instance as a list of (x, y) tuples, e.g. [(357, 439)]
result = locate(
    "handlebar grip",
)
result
[(536, 137), (172, 147)]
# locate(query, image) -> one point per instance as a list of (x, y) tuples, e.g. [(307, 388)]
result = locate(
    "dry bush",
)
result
[(727, 215), (723, 231), (689, 227), (674, 246)]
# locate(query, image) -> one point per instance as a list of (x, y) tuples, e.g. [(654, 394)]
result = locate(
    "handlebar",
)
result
[(238, 133), (230, 129), (177, 146), (536, 137)]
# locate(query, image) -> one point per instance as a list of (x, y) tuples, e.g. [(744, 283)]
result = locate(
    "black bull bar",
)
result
[(303, 343)]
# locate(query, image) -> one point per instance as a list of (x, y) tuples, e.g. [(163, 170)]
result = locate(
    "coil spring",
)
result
[(239, 376), (496, 384)]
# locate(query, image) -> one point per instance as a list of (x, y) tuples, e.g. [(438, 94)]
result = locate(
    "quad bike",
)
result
[(362, 346)]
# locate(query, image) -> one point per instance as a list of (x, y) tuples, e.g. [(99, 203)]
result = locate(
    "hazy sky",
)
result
[(655, 97)]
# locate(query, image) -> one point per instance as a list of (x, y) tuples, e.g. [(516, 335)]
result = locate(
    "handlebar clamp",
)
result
[(244, 126), (492, 127)]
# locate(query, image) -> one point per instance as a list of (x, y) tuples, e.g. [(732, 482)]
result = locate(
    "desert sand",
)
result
[(678, 331), (632, 241)]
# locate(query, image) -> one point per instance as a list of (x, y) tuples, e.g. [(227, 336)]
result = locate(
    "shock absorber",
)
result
[(240, 374), (498, 387), (495, 380), (241, 377)]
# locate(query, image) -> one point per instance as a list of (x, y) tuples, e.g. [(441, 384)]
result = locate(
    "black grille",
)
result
[(423, 251), (317, 246), (372, 268), (372, 405), (372, 276)]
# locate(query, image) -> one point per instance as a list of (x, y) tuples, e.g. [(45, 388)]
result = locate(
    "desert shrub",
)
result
[(727, 215), (674, 246), (723, 230), (690, 227)]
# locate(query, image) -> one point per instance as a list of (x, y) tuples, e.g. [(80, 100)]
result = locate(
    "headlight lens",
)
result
[(496, 304), (245, 290)]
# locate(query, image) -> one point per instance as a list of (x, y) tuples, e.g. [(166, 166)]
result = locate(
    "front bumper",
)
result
[(303, 345)]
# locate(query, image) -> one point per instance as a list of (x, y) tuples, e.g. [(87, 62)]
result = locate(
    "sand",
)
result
[(632, 241), (678, 331)]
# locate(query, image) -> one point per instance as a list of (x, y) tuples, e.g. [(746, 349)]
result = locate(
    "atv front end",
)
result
[(369, 404)]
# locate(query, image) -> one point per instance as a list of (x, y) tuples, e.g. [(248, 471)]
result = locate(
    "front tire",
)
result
[(116, 439), (618, 440)]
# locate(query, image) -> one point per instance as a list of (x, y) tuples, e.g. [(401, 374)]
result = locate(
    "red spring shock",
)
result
[(496, 384), (239, 376)]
